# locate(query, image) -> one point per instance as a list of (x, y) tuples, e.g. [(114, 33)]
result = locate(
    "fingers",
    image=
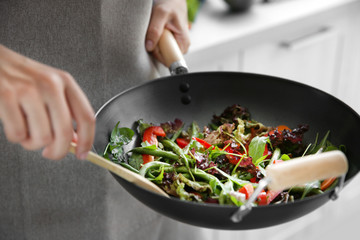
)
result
[(84, 116), (60, 118), (38, 104), (173, 16), (71, 104), (182, 36), (38, 125), (12, 116), (159, 17)]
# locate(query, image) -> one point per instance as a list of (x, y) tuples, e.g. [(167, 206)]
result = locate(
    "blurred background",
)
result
[(316, 42)]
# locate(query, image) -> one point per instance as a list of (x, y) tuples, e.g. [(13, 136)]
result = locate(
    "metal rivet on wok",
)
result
[(184, 87), (186, 99)]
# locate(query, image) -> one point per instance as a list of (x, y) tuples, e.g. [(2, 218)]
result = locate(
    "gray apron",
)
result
[(101, 43)]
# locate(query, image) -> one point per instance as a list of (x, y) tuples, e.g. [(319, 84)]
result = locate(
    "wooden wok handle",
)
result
[(306, 169), (172, 54), (121, 171)]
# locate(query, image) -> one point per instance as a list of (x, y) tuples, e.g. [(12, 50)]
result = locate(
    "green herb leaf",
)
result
[(119, 137), (285, 157), (160, 177), (257, 147), (260, 160), (143, 126), (309, 187), (136, 160)]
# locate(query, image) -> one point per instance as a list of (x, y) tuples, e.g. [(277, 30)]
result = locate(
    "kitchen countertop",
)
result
[(215, 25)]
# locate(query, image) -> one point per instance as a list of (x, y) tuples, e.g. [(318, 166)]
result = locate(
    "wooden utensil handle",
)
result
[(121, 171), (172, 54), (306, 169)]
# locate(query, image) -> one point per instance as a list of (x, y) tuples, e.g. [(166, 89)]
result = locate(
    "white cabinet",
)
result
[(311, 58)]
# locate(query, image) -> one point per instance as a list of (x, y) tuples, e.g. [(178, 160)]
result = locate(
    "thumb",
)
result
[(154, 31)]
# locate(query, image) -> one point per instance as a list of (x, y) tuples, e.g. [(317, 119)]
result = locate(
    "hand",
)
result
[(170, 14), (38, 104)]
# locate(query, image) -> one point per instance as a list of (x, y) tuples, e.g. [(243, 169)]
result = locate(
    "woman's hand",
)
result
[(38, 104), (170, 14)]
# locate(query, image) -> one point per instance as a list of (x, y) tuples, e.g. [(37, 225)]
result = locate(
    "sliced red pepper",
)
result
[(265, 198), (253, 180), (150, 135), (267, 152), (203, 142), (327, 183), (262, 199), (271, 195), (182, 142), (247, 189)]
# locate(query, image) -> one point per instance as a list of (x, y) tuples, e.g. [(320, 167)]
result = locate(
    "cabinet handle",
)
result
[(308, 39)]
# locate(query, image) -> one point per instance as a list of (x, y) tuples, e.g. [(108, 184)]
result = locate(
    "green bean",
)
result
[(174, 147), (200, 174), (153, 165), (176, 135), (155, 152), (129, 167), (194, 132)]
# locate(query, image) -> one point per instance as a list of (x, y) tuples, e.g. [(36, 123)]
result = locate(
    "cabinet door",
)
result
[(312, 58)]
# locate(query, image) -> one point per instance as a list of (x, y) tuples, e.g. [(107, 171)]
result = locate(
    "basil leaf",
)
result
[(125, 135), (257, 147)]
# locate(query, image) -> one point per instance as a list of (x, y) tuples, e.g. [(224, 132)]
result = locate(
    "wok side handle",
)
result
[(306, 169), (335, 194), (172, 54)]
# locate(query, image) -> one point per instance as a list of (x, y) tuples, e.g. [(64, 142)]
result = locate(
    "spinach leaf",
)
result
[(119, 137), (135, 160)]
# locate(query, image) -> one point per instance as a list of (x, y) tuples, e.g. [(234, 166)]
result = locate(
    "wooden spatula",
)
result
[(121, 172)]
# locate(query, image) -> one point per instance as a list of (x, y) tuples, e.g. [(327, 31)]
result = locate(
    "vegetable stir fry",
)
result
[(222, 163)]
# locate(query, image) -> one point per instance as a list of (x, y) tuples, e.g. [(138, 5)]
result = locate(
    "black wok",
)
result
[(271, 100), (197, 96)]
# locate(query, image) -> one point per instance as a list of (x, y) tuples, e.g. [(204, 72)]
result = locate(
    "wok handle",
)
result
[(172, 54), (121, 171), (306, 169)]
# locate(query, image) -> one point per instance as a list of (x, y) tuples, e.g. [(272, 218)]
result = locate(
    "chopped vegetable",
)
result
[(150, 136), (182, 142), (247, 189), (222, 164), (327, 183)]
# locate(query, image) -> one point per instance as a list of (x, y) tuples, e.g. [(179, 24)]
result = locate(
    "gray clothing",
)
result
[(101, 43)]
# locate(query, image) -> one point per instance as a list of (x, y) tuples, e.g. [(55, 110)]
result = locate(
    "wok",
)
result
[(198, 96)]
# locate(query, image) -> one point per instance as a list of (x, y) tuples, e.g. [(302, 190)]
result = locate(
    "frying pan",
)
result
[(198, 96)]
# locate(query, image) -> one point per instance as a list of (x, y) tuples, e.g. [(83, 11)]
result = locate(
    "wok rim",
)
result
[(195, 76)]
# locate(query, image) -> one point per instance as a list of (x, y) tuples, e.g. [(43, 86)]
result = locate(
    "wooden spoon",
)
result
[(121, 172)]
